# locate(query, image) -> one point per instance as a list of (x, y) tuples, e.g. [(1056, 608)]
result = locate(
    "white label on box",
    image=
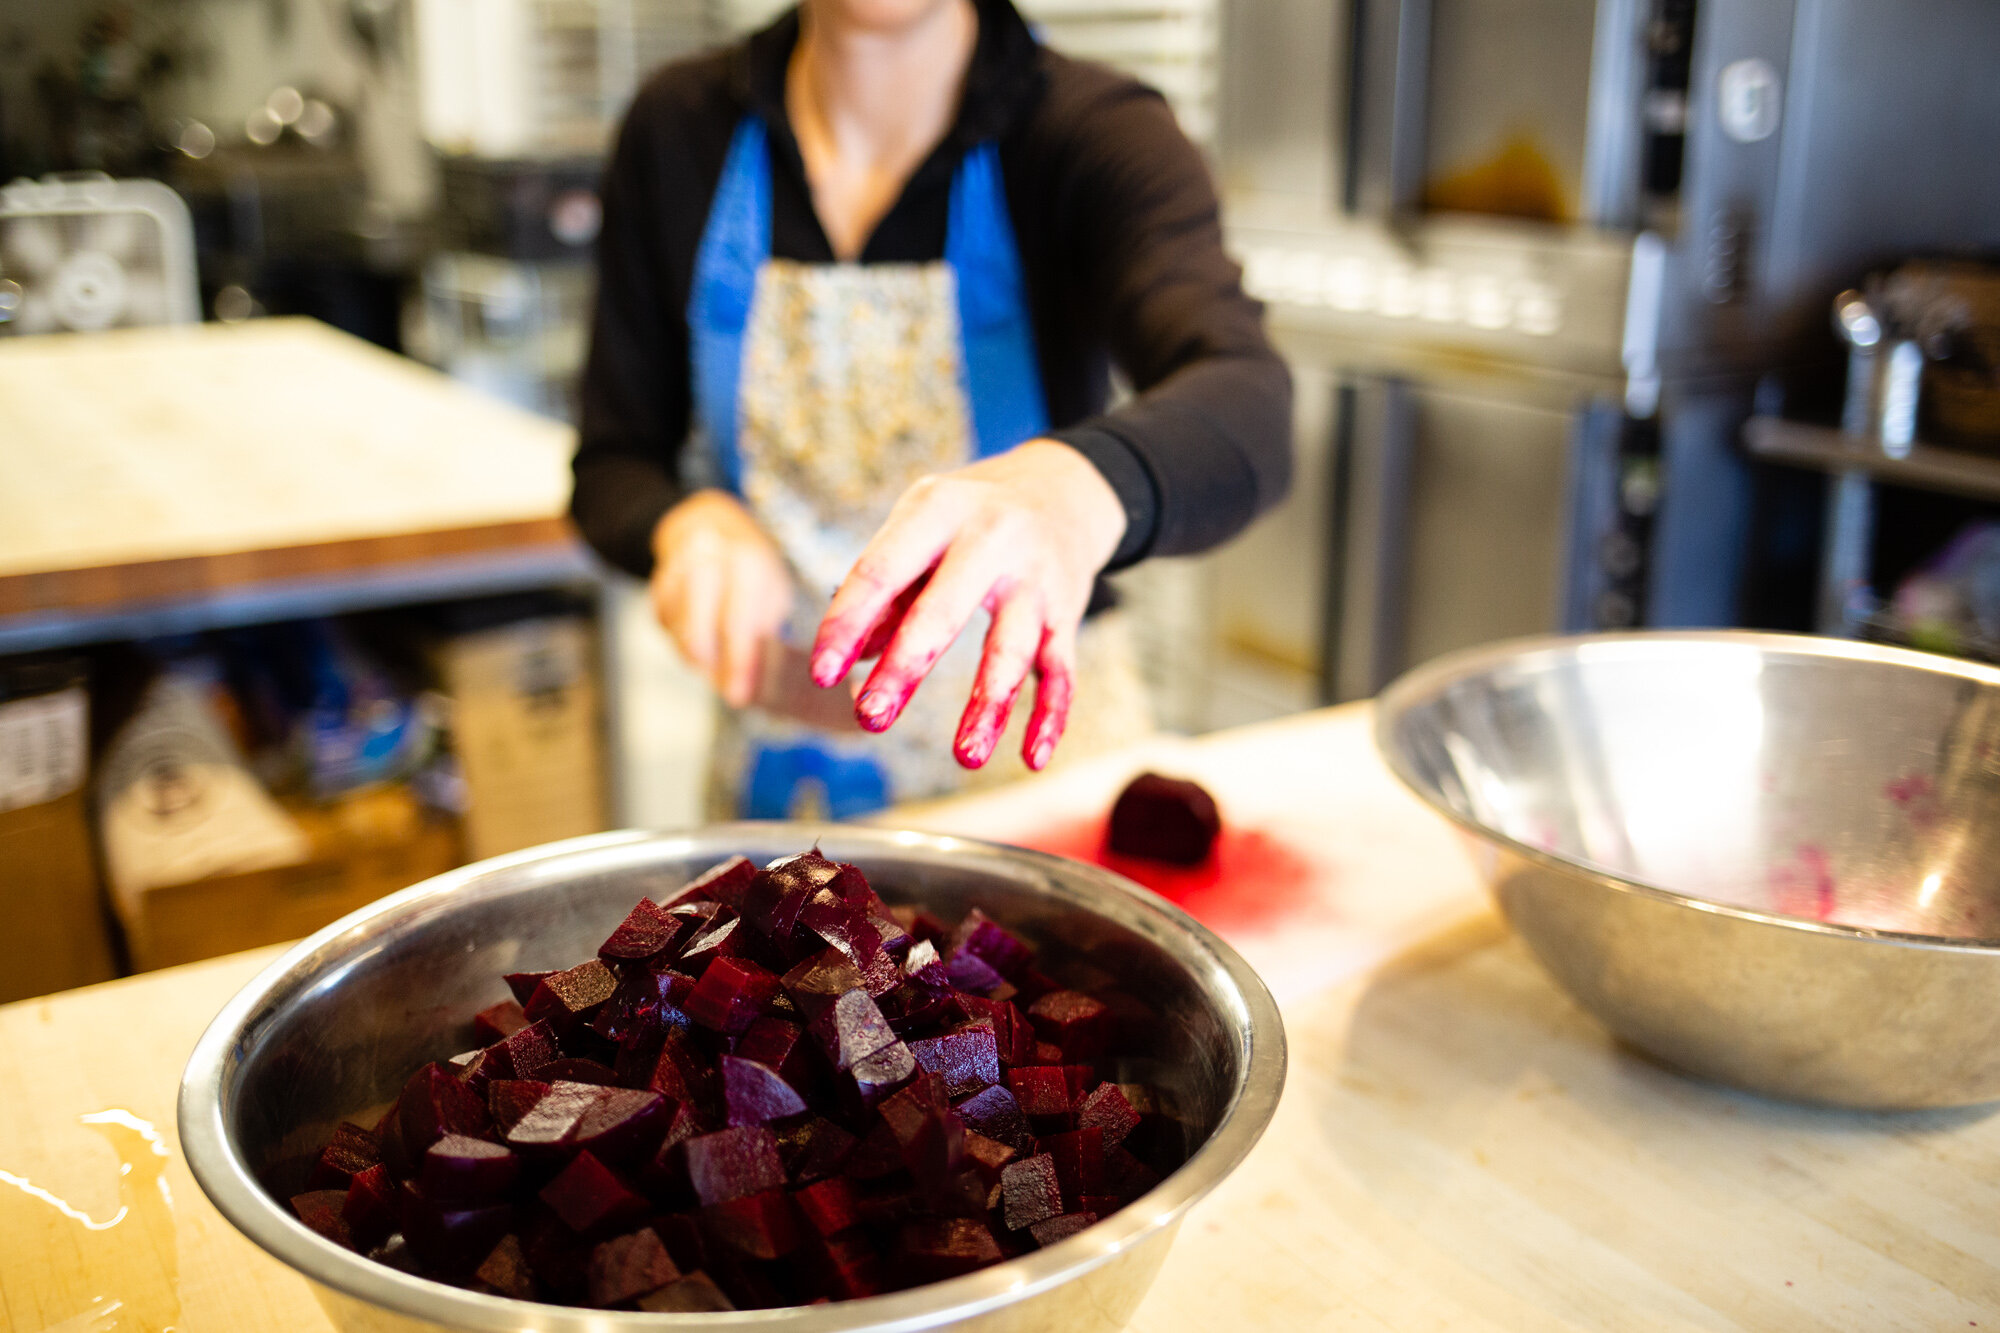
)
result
[(42, 744)]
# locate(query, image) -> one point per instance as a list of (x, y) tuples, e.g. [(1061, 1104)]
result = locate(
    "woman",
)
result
[(862, 279)]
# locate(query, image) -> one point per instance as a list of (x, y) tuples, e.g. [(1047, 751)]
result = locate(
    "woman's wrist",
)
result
[(1091, 508)]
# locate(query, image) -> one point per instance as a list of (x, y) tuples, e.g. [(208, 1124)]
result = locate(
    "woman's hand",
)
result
[(720, 588), (1022, 534)]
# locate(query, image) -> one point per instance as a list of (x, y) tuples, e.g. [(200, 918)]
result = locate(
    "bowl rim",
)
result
[(1424, 683), (1218, 969)]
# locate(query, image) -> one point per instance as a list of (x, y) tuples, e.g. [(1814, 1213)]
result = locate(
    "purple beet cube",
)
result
[(875, 1076), (733, 1163), (813, 1149), (968, 1058), (843, 926), (467, 1173), (523, 984), (730, 995), (1010, 1026), (526, 1051), (369, 1209), (725, 883), (588, 1197), (622, 1125), (759, 1226), (509, 1099), (817, 981), (1051, 1230), (625, 1268), (646, 930), (996, 1114), (1001, 950), (1107, 1109), (505, 1272), (852, 1029), (945, 1247), (1043, 1092), (1076, 1023), (1164, 819), (433, 1104), (497, 1022), (846, 1267), (679, 1071), (828, 1206), (781, 890), (756, 1095), (567, 998), (925, 966), (972, 974), (929, 1135), (725, 937), (666, 1174), (447, 1240), (548, 1124), (694, 1294), (645, 1002), (1079, 1159), (575, 1069), (873, 1156), (988, 1156), (321, 1210), (778, 1046), (1030, 1191), (347, 1154)]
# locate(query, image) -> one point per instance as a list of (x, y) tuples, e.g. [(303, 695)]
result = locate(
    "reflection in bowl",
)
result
[(1767, 859)]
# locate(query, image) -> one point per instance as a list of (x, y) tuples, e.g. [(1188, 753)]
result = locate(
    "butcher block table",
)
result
[(1458, 1146)]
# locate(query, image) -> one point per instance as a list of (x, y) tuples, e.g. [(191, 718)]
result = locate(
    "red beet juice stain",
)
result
[(1249, 881)]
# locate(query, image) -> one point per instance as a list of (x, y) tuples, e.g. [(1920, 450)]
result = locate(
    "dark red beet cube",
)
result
[(526, 1050), (1079, 1025), (875, 1076), (929, 1135), (1010, 1026), (567, 998), (828, 1206), (781, 890), (988, 1156), (574, 1069), (730, 995), (1030, 1191), (321, 1210), (369, 1208), (756, 1095), (348, 1153), (968, 1058), (622, 1125), (467, 1173), (627, 1267), (945, 1247), (504, 1271), (1042, 1091), (1106, 1109), (1001, 949), (497, 1022), (588, 1197), (852, 1029), (757, 1226), (1164, 819), (1048, 1232), (550, 1121), (778, 1046), (875, 1155), (842, 925), (523, 984), (435, 1103), (450, 1240), (694, 1294), (509, 1099), (813, 1149), (1079, 1158), (846, 1267), (733, 1163), (646, 930), (996, 1114), (557, 1256), (726, 937), (725, 883)]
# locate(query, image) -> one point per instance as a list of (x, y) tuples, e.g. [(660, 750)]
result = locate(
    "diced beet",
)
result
[(756, 1095), (434, 1104), (925, 966), (694, 1294), (569, 997), (467, 1173), (446, 1239), (509, 1099), (730, 995), (780, 891), (874, 1155), (679, 1070), (348, 1153), (1077, 1024), (1164, 819), (1106, 1109), (988, 1156), (923, 925), (1010, 1026), (320, 1210), (726, 937), (844, 926), (369, 1208), (996, 1114), (665, 1176), (625, 1268), (588, 1197), (890, 1205), (778, 1046), (846, 1266), (645, 931), (1031, 1190), (526, 1050), (968, 1058), (645, 1002), (875, 1076), (557, 1256), (828, 1206), (1079, 1079), (816, 982), (760, 1226), (946, 1247), (1033, 984), (1001, 949), (1079, 1159), (929, 1135), (724, 883), (1126, 1175), (896, 940), (969, 972), (1101, 1204), (505, 1270), (852, 1029), (1048, 1053), (732, 1163), (1043, 1092), (1047, 1233), (551, 1120), (622, 1125), (813, 1149), (497, 1022), (572, 1070), (523, 984)]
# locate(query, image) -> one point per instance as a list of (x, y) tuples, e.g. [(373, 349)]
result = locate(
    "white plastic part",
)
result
[(90, 253)]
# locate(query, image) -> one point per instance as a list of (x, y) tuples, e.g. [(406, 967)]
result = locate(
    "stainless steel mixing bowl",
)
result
[(338, 1023), (1767, 859)]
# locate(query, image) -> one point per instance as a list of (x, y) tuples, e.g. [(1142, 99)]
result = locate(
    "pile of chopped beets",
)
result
[(772, 1089)]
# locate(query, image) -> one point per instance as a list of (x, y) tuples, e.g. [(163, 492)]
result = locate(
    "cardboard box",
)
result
[(55, 934), (527, 725), (364, 848)]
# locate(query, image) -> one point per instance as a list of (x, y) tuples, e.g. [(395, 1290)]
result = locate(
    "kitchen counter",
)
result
[(1458, 1147)]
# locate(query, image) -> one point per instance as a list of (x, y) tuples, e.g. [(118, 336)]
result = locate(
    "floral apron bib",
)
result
[(822, 391)]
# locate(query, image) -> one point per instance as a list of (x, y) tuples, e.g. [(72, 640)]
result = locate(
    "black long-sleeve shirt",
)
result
[(1117, 223)]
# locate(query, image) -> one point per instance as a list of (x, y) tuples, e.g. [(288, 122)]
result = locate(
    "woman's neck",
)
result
[(868, 103)]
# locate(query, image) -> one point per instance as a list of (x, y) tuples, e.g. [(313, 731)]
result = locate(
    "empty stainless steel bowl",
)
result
[(1766, 859), (338, 1023)]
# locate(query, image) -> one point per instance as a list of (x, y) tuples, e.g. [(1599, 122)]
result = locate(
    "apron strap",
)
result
[(734, 245), (1003, 379)]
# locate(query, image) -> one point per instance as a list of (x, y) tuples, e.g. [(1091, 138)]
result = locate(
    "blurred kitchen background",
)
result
[(1561, 283)]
